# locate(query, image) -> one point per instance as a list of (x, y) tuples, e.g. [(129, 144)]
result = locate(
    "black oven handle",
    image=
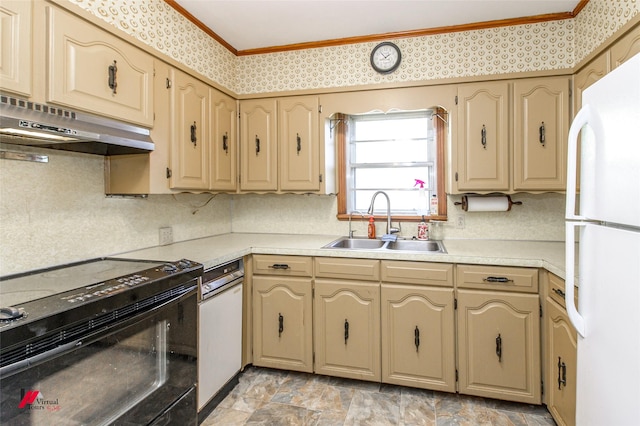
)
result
[(91, 336), (16, 366)]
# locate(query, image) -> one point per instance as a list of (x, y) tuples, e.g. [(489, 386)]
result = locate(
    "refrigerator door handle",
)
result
[(570, 251), (586, 115)]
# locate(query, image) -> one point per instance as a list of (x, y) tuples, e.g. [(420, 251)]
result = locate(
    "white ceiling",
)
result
[(252, 24)]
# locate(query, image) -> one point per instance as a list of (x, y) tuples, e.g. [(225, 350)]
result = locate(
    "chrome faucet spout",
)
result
[(350, 216), (390, 230)]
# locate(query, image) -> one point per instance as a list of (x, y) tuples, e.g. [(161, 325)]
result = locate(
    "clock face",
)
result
[(385, 57)]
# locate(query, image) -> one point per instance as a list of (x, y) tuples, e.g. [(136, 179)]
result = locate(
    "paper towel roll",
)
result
[(486, 204)]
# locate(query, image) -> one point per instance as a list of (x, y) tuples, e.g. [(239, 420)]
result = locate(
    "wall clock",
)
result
[(385, 57)]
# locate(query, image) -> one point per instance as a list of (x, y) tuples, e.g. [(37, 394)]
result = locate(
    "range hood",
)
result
[(29, 123)]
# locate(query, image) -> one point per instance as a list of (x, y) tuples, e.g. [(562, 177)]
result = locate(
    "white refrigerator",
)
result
[(605, 219)]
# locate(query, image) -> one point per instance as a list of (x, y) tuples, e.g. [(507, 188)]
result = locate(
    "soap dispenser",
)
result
[(423, 230), (371, 232)]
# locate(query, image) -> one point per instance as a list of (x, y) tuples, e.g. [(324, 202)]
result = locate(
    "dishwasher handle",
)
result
[(213, 288)]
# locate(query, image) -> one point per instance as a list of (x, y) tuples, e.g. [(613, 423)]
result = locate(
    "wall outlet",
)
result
[(460, 222), (166, 236)]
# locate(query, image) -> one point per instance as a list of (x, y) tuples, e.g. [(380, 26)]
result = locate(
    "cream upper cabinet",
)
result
[(560, 355), (589, 74), (258, 145), (93, 70), (282, 328), (299, 162), (483, 137), (189, 132), (541, 127), (146, 173), (625, 47), (224, 142), (15, 57)]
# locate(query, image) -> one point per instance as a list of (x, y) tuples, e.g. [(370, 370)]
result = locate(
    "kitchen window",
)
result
[(388, 152)]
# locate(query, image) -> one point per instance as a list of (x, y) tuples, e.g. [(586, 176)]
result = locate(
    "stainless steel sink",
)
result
[(416, 246), (355, 244), (413, 245)]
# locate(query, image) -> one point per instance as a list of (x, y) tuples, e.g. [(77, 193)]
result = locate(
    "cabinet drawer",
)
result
[(298, 266), (351, 269), (556, 290), (440, 274), (498, 278)]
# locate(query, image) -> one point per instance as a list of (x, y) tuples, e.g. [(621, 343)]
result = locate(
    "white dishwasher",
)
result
[(219, 331)]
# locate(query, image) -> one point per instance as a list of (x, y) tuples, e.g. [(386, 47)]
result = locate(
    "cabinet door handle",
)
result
[(416, 337), (483, 136), (559, 292), (113, 75), (497, 280), (279, 266), (225, 143), (562, 374), (346, 331), (194, 139), (280, 324), (542, 134), (499, 348), (257, 145), (298, 143)]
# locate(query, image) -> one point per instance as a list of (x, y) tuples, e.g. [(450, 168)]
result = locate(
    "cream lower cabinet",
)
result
[(561, 354), (347, 318), (499, 333), (282, 312), (282, 323), (418, 327)]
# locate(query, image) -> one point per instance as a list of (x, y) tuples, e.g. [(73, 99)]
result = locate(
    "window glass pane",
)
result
[(390, 178), (395, 151), (389, 127), (402, 202)]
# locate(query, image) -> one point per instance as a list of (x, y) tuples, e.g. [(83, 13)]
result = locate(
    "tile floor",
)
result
[(273, 397)]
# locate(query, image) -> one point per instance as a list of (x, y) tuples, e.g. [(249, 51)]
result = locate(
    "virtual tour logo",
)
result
[(34, 400)]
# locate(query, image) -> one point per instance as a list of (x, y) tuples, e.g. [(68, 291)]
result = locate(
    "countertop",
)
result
[(216, 250)]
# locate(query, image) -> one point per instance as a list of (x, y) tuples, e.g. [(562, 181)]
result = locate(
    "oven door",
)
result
[(139, 371)]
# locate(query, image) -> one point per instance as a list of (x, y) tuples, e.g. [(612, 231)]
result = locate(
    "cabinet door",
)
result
[(483, 132), (418, 337), (347, 329), (541, 127), (499, 345), (561, 361), (92, 70), (282, 323), (224, 148), (15, 56), (299, 144), (190, 132), (625, 47), (258, 145)]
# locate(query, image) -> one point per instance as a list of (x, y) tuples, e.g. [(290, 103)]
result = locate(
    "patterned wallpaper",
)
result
[(542, 46)]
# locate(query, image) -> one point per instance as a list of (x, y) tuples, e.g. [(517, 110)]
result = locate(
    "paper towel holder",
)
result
[(465, 204)]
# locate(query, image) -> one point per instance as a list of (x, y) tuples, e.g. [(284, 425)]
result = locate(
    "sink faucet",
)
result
[(350, 216), (390, 230)]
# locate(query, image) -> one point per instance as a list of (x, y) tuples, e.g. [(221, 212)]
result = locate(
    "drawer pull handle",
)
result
[(346, 331), (483, 136), (279, 266), (497, 280), (562, 374), (416, 337), (113, 75), (280, 324), (559, 292), (499, 348)]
